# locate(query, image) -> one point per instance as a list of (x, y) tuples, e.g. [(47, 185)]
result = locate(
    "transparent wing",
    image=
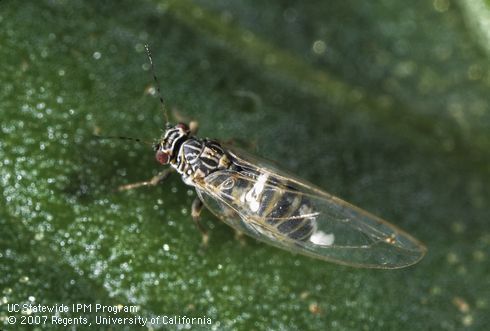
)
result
[(248, 197)]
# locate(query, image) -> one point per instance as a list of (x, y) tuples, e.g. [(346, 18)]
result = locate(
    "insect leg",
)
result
[(152, 182), (193, 125), (195, 213), (240, 237)]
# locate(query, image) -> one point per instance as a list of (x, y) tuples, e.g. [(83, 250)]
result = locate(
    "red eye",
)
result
[(162, 157), (182, 126)]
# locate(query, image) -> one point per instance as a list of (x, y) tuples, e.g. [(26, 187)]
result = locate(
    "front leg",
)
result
[(152, 182), (195, 213), (193, 125)]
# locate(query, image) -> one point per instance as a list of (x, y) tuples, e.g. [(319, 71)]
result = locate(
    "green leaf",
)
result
[(382, 104)]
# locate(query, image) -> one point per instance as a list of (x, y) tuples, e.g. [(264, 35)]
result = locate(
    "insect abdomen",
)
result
[(273, 205), (286, 214)]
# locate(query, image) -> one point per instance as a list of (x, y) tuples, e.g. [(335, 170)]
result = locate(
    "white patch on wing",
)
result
[(242, 198), (259, 186), (254, 205), (253, 196), (322, 238)]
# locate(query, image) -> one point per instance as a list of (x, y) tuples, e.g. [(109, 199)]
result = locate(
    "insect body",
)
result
[(256, 199), (262, 202)]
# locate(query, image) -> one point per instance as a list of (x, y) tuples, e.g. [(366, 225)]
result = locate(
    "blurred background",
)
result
[(384, 104)]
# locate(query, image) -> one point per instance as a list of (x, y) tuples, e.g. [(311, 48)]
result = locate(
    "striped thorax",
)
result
[(193, 158)]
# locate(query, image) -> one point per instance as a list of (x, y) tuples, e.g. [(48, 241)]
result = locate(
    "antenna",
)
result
[(147, 47), (124, 138)]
